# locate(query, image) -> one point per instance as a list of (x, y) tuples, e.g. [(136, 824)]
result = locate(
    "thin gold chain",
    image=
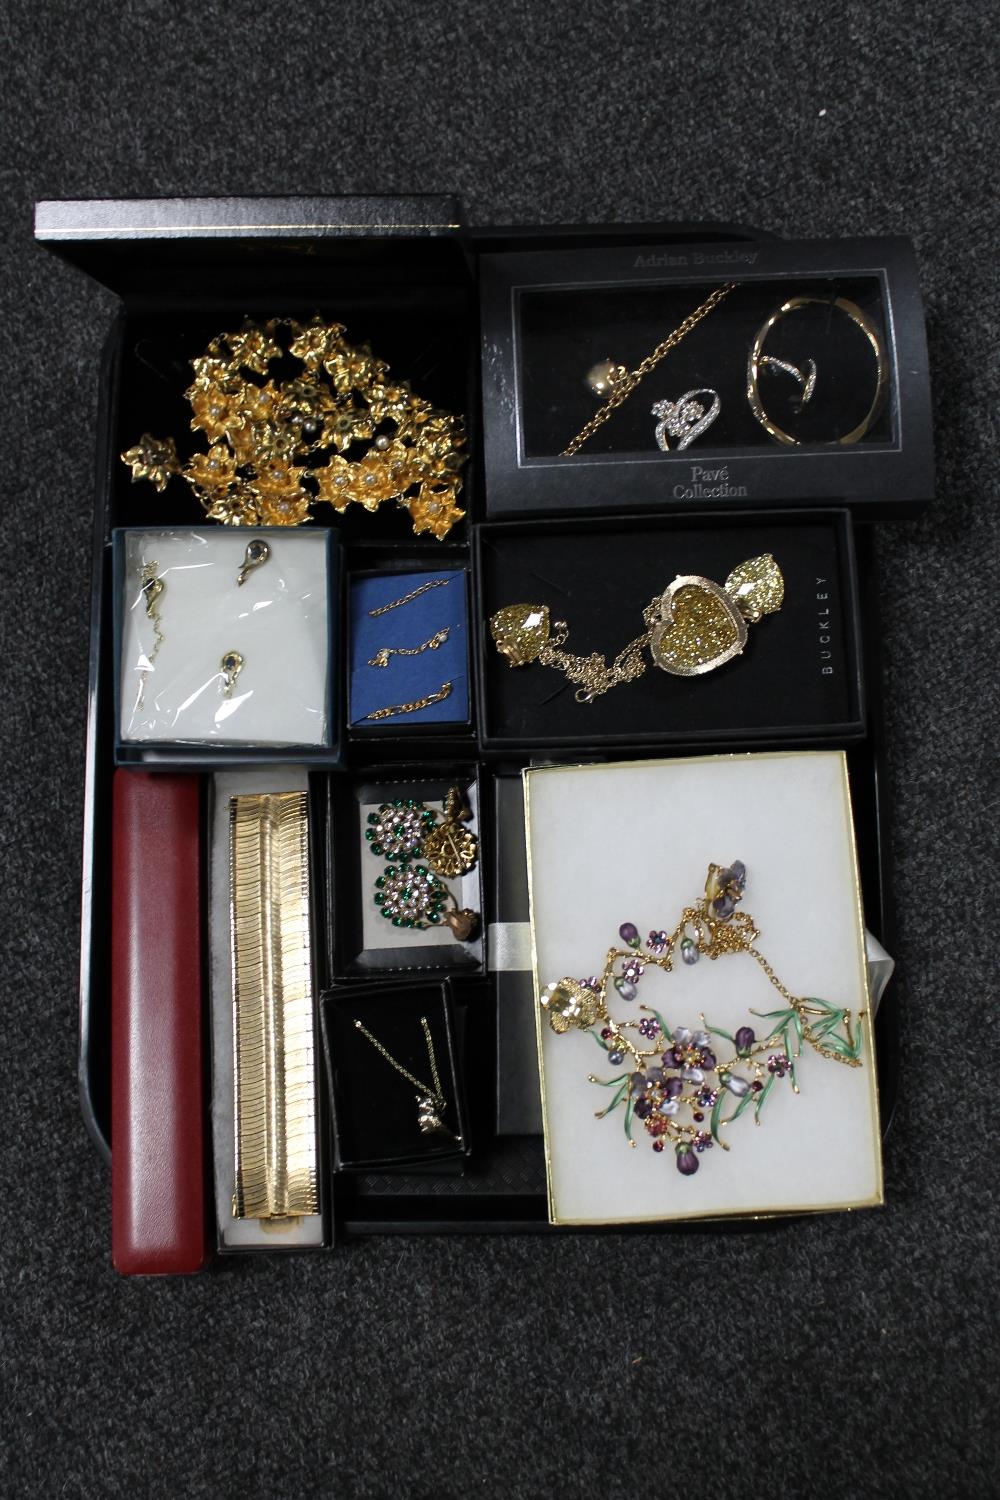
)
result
[(772, 976), (417, 1083), (593, 672), (696, 916), (411, 708), (152, 587), (435, 583), (384, 653), (624, 387)]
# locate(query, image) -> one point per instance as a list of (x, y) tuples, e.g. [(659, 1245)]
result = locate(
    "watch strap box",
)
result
[(158, 1183)]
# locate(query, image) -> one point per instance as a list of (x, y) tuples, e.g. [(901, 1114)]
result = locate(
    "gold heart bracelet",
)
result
[(693, 627)]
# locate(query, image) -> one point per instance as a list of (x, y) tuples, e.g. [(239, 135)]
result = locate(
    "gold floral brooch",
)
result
[(295, 416)]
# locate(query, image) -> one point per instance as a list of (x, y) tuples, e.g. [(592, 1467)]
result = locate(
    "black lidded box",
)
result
[(848, 312), (375, 1115), (446, 611), (394, 271), (798, 680), (360, 943), (518, 1096), (401, 273)]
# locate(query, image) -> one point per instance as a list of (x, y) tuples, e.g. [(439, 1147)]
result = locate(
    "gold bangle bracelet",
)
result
[(758, 358)]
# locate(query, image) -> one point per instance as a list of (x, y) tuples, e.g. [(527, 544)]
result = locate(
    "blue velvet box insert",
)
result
[(407, 678)]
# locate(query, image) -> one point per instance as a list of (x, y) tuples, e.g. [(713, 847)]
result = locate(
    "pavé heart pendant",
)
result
[(693, 627)]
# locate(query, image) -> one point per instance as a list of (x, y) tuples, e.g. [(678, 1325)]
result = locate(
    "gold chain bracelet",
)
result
[(443, 692), (384, 654)]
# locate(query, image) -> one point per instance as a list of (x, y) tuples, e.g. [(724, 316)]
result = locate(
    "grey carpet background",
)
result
[(850, 1356)]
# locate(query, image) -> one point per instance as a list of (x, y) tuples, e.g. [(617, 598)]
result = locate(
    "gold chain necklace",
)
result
[(430, 1101), (685, 1085), (624, 382)]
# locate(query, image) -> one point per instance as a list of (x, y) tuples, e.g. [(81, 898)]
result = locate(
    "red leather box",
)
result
[(157, 1076)]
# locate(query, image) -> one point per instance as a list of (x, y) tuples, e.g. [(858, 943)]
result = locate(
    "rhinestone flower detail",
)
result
[(397, 829)]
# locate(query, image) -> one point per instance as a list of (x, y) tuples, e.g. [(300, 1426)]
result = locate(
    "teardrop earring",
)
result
[(152, 587), (255, 556), (231, 666)]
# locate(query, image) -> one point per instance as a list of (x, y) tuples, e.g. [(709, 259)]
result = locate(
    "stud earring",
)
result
[(255, 556), (231, 666)]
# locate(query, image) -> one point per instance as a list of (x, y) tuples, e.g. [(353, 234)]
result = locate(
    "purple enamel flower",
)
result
[(691, 1053), (658, 942), (649, 1027), (778, 1064), (744, 1040)]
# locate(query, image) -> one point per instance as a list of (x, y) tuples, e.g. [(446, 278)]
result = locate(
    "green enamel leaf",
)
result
[(607, 1083), (744, 1103), (628, 1119), (763, 1095), (823, 1004), (717, 1031), (614, 1103), (772, 1015), (791, 1064), (716, 1118), (837, 1044), (600, 1041)]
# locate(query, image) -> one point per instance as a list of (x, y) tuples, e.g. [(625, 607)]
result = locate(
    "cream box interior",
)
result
[(632, 842)]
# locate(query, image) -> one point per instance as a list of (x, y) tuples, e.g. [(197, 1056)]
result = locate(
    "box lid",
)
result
[(127, 243)]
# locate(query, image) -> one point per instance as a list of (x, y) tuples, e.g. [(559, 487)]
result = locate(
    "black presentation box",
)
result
[(359, 1076), (360, 942), (394, 271), (798, 681), (404, 275), (453, 733), (861, 437)]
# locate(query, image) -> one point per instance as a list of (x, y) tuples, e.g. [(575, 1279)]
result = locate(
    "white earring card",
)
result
[(225, 637), (617, 844)]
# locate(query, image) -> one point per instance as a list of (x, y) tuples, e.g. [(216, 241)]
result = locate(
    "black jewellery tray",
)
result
[(406, 272)]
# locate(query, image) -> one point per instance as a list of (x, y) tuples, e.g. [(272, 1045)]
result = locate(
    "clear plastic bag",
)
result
[(206, 658)]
